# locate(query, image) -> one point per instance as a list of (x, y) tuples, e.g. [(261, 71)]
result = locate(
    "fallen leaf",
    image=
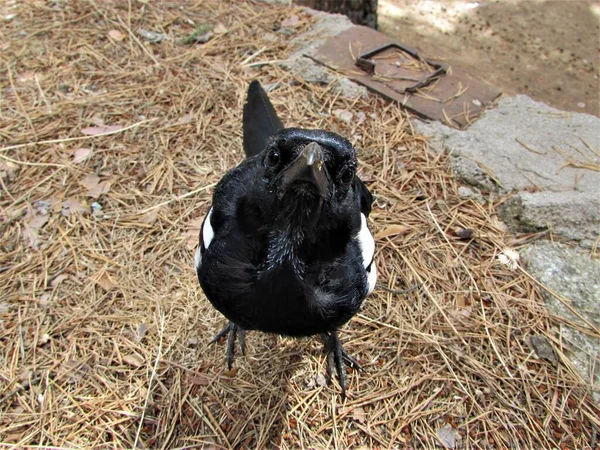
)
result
[(90, 181), (58, 279), (32, 225), (447, 435), (220, 28), (72, 371), (8, 169), (193, 232), (392, 230), (94, 131), (185, 119), (133, 360), (37, 221), (231, 373), (192, 240), (73, 205), (94, 186), (26, 76), (99, 189), (291, 21), (54, 204), (150, 217), (462, 301), (31, 235), (98, 120), (343, 115), (200, 380), (106, 282), (195, 224), (543, 348), (44, 300), (116, 35), (208, 443), (498, 224), (220, 65), (81, 154), (321, 380), (358, 414)]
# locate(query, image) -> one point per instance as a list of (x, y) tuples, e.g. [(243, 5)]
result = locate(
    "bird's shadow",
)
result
[(245, 408)]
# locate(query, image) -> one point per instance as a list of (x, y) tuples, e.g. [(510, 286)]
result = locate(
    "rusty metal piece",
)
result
[(364, 60), (366, 65), (428, 88)]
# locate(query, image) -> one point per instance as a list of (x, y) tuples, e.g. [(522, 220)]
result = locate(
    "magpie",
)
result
[(285, 247)]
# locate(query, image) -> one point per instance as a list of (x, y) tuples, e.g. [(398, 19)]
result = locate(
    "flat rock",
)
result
[(574, 215), (576, 276), (548, 158)]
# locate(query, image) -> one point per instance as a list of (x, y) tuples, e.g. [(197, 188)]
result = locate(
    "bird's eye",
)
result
[(272, 158), (347, 175)]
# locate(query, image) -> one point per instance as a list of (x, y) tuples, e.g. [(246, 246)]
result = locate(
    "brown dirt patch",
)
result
[(549, 50)]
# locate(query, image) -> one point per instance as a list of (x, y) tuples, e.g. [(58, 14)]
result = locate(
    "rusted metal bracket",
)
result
[(365, 63)]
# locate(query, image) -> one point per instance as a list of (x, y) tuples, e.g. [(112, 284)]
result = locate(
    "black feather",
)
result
[(260, 120), (366, 198)]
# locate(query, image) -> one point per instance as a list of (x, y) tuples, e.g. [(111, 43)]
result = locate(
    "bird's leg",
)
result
[(242, 339), (231, 344), (336, 355), (231, 330)]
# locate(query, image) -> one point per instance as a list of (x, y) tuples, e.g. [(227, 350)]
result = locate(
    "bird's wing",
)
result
[(260, 120), (224, 208), (364, 237), (206, 236)]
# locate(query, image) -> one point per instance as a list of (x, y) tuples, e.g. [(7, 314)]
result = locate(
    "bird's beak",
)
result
[(309, 166)]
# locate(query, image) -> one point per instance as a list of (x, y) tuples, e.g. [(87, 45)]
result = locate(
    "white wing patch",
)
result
[(366, 242), (198, 258), (372, 278), (207, 237), (367, 246), (207, 231)]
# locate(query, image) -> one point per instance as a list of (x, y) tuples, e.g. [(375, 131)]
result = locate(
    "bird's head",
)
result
[(308, 178)]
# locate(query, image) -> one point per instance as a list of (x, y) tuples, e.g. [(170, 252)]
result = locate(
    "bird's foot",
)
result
[(337, 356), (231, 330)]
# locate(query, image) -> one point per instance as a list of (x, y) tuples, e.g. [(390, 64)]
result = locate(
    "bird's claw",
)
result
[(337, 356), (224, 332), (231, 330)]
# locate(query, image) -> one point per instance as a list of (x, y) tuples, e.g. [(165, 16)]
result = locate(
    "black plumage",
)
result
[(285, 247)]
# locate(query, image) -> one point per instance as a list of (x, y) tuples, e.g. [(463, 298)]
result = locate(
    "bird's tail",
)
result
[(260, 120)]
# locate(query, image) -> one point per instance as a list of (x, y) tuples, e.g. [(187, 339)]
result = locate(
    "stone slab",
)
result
[(576, 276), (549, 158)]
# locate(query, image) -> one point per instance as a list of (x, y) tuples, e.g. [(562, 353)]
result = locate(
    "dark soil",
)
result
[(548, 50)]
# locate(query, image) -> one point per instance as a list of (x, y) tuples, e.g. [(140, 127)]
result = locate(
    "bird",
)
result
[(285, 247)]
